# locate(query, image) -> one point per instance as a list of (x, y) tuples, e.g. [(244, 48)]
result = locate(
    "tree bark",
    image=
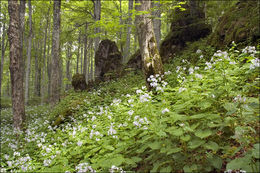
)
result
[(28, 64), (85, 54), (43, 84), (3, 47), (128, 37), (78, 55), (55, 67), (152, 63), (157, 22), (68, 65), (49, 62), (16, 59)]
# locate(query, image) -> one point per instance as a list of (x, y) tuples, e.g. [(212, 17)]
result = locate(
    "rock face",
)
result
[(239, 24), (135, 61), (107, 59), (186, 26), (79, 82)]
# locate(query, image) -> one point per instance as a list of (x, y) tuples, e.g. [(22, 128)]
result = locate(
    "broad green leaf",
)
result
[(240, 163), (203, 133), (195, 143), (192, 168), (161, 133), (176, 132), (185, 138), (211, 146), (256, 151), (231, 108), (109, 147), (166, 169), (216, 162), (155, 145), (174, 150), (155, 166), (136, 159)]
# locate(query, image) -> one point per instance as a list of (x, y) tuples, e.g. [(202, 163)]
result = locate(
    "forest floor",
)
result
[(201, 116)]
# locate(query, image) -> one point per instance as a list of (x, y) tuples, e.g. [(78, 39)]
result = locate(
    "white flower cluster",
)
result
[(255, 63), (114, 168), (96, 133), (111, 130), (84, 167), (165, 110), (220, 54), (156, 81), (249, 50), (240, 99), (47, 162), (22, 162), (145, 98), (198, 51), (139, 122), (116, 102)]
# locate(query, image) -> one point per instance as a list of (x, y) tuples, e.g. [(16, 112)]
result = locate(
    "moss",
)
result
[(79, 82), (239, 24)]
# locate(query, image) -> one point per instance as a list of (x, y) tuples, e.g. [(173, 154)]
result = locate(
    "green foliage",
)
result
[(197, 118)]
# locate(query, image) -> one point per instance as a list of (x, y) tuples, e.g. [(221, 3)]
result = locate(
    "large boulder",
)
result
[(239, 24), (135, 60), (108, 59), (79, 82), (186, 26)]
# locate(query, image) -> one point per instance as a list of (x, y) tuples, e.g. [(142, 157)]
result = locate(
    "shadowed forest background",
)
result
[(129, 85)]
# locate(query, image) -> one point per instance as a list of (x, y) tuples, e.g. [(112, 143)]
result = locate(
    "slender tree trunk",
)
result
[(157, 22), (85, 54), (68, 65), (152, 63), (2, 57), (16, 59), (28, 64), (49, 62), (43, 84), (81, 59), (90, 71), (92, 74), (97, 16), (55, 67), (78, 55), (121, 23), (128, 37), (22, 33)]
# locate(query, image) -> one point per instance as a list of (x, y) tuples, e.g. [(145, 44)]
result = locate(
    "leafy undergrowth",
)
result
[(198, 118)]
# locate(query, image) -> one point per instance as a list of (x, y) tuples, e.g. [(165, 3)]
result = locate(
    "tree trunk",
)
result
[(85, 54), (157, 22), (128, 37), (152, 63), (49, 62), (16, 59), (78, 55), (55, 67), (97, 14), (28, 64), (2, 57), (43, 84), (90, 75), (68, 65), (22, 33)]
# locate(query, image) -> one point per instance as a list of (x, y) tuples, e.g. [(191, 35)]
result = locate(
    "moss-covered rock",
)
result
[(239, 24), (79, 82), (135, 60), (107, 59), (185, 27)]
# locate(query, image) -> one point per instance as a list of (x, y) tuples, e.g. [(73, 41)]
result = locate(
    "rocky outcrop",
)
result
[(186, 26), (135, 60), (79, 82), (108, 59), (239, 24)]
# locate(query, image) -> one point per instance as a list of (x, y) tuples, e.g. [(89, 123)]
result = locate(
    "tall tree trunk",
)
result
[(55, 67), (81, 59), (90, 75), (152, 63), (128, 37), (85, 54), (97, 16), (28, 64), (68, 65), (49, 62), (78, 55), (43, 84), (22, 33), (2, 45), (16, 59), (157, 22), (121, 23)]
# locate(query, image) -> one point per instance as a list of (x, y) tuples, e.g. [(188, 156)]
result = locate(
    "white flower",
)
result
[(153, 84), (201, 56), (128, 95), (198, 51), (130, 100), (167, 73), (46, 162), (79, 143), (165, 110), (181, 124), (232, 62), (109, 117), (9, 163), (94, 126), (198, 76), (131, 112), (111, 131), (144, 98), (48, 150), (138, 91), (93, 118), (191, 70), (143, 87), (97, 139), (6, 157), (182, 89)]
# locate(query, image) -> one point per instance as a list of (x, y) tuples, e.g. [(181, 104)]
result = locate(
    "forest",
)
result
[(129, 86)]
